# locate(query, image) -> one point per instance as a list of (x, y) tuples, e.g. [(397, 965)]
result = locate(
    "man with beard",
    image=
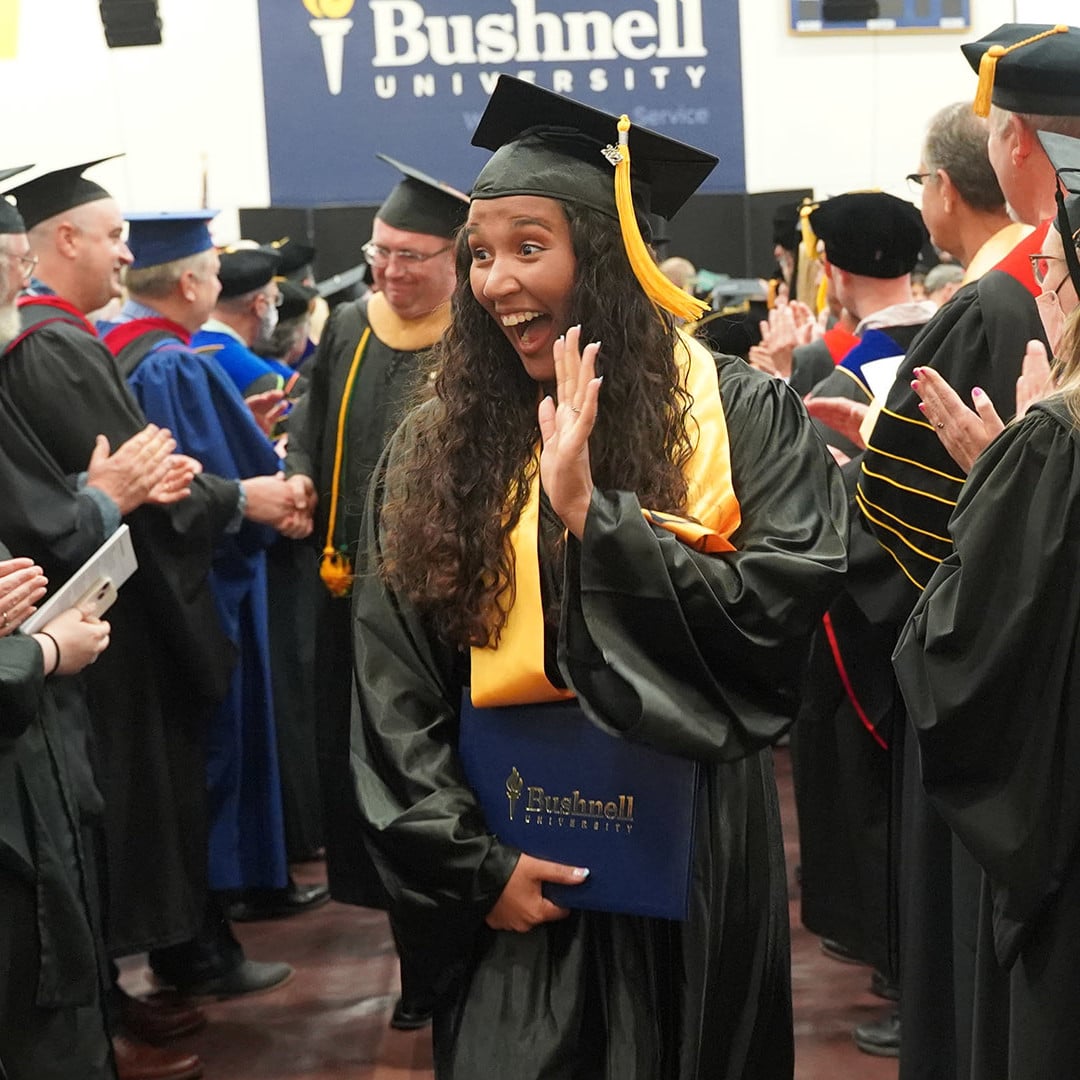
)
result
[(152, 694), (371, 356)]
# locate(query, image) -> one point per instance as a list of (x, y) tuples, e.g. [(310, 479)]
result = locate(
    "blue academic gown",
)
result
[(190, 394), (246, 369)]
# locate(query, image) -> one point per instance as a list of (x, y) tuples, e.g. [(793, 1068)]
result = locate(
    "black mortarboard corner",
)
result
[(549, 145), (870, 233), (10, 219), (1064, 155), (786, 228), (422, 204), (296, 257), (243, 270), (1027, 68), (295, 299), (56, 192)]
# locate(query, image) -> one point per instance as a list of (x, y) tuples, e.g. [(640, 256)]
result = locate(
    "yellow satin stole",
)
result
[(513, 672)]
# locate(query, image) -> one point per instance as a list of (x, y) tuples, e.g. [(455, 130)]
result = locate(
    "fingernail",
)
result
[(977, 392), (581, 872), (918, 371), (915, 384), (922, 406)]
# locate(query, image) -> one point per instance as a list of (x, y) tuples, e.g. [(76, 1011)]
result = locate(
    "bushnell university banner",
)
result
[(345, 79)]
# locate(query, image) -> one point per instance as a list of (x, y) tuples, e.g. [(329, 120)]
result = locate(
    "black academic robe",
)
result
[(907, 488), (988, 665), (168, 660), (709, 650), (51, 1020), (845, 756), (389, 372)]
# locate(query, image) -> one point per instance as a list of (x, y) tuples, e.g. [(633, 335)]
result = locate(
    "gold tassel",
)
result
[(658, 288), (987, 71), (988, 67), (336, 572)]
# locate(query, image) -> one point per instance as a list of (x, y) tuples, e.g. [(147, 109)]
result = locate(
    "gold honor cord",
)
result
[(513, 673), (335, 567)]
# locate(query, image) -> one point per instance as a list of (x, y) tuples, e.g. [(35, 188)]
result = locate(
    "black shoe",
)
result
[(256, 904), (836, 950), (247, 977), (880, 1037), (409, 1017), (881, 985)]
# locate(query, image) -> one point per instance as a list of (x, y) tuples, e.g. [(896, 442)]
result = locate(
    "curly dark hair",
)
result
[(460, 487)]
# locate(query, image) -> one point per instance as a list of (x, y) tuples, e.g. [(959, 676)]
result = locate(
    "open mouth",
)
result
[(530, 328)]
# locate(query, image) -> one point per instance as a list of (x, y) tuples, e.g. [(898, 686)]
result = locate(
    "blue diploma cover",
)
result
[(559, 787)]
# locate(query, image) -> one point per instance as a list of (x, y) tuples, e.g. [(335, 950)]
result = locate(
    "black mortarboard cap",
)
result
[(1027, 68), (422, 204), (10, 219), (243, 270), (550, 145), (295, 299), (295, 256), (786, 231), (55, 192), (870, 233)]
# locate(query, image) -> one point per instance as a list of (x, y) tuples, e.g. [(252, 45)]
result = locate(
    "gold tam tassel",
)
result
[(989, 62), (336, 572), (658, 288)]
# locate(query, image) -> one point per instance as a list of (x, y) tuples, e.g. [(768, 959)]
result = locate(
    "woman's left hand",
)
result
[(565, 429)]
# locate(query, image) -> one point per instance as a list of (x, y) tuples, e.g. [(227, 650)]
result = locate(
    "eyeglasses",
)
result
[(277, 299), (378, 256), (917, 179), (1040, 266), (28, 262)]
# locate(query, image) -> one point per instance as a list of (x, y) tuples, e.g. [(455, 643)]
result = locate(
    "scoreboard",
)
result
[(831, 16)]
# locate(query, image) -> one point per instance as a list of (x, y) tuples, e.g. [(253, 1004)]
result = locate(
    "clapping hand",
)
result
[(22, 585)]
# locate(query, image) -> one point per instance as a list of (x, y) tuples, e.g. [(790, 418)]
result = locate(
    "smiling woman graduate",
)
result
[(653, 549)]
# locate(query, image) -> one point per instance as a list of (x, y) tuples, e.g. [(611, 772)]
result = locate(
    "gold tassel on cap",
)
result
[(658, 288), (989, 62)]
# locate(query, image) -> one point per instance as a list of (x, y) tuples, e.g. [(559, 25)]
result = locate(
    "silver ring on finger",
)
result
[(4, 622), (575, 410), (940, 424)]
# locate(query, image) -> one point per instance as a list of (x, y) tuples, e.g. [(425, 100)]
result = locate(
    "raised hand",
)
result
[(565, 429), (1036, 379), (130, 473), (176, 483), (267, 408), (963, 432), (841, 414), (22, 585)]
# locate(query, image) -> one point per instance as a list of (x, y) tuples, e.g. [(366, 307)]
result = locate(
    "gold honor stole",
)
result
[(512, 673)]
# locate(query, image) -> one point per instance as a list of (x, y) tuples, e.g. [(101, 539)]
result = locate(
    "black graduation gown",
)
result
[(710, 651), (989, 668), (150, 692), (384, 385), (907, 489), (845, 744), (51, 1020)]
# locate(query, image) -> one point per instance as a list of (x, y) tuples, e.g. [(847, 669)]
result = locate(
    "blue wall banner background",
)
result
[(345, 79)]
